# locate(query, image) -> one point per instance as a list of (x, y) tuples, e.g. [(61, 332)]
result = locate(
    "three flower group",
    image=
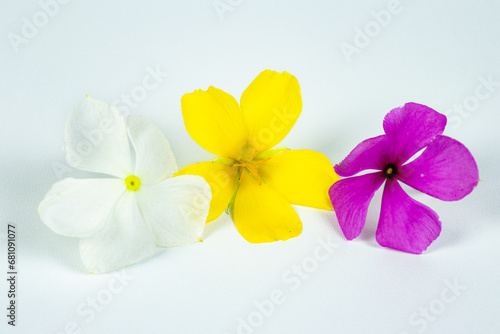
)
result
[(150, 204)]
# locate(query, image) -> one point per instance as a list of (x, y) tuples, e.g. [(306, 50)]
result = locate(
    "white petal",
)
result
[(176, 209), (79, 208), (125, 239), (96, 139), (155, 160)]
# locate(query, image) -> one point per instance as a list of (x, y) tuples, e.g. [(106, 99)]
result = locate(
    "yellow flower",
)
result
[(255, 182)]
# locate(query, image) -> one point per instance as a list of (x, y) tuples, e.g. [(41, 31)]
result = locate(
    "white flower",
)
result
[(121, 220)]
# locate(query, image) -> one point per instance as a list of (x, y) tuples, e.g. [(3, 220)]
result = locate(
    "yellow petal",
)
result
[(214, 120), (270, 153), (221, 179), (303, 177), (261, 214), (271, 104)]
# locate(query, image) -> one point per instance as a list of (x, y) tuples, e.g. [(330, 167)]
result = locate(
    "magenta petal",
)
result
[(410, 128), (445, 170), (369, 154), (405, 224), (350, 198)]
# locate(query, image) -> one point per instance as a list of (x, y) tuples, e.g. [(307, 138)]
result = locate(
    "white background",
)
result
[(431, 52)]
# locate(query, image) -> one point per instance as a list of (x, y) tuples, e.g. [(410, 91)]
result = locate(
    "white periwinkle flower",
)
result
[(122, 220)]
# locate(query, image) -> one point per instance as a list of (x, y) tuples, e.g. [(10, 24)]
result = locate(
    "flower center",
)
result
[(390, 171), (250, 166), (133, 183)]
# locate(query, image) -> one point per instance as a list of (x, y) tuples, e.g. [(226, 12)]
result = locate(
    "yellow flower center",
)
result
[(251, 166), (133, 183)]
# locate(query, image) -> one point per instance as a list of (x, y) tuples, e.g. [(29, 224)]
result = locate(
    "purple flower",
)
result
[(445, 170)]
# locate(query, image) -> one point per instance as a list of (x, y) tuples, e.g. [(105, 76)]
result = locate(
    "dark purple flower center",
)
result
[(390, 171)]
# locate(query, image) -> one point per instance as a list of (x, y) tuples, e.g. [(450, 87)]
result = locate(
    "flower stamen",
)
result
[(241, 177), (251, 166), (133, 183)]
